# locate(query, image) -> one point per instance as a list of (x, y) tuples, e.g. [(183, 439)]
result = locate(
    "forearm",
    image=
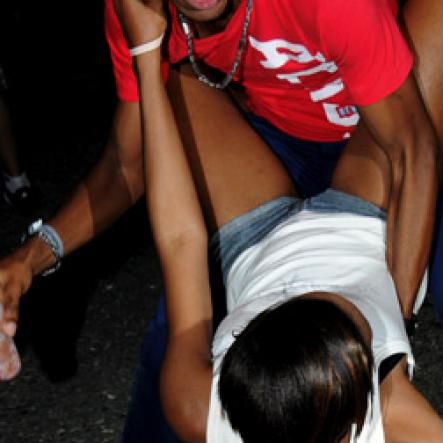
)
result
[(111, 187), (175, 210), (411, 219), (400, 125)]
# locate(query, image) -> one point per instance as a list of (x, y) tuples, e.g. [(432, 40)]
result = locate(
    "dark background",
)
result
[(61, 95), (58, 69), (94, 311)]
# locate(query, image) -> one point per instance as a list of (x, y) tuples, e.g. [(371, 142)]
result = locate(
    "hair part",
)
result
[(298, 372)]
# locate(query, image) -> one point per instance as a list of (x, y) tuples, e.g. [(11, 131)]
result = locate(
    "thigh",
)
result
[(364, 169), (235, 171)]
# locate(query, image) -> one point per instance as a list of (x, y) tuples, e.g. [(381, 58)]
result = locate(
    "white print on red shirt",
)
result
[(278, 52)]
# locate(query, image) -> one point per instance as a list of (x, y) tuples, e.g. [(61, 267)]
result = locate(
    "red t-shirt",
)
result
[(306, 65), (125, 79)]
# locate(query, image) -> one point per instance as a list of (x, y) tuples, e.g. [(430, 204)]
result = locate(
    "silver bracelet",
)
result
[(50, 236)]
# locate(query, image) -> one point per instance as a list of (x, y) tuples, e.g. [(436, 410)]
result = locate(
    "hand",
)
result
[(15, 279), (141, 20), (9, 359)]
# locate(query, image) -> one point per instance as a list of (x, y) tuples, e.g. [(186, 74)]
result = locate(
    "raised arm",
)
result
[(400, 125), (180, 235)]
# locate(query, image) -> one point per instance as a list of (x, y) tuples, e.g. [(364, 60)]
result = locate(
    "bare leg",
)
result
[(234, 169), (364, 169), (235, 172)]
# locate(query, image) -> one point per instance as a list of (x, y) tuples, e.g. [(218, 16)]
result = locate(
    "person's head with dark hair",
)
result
[(300, 372)]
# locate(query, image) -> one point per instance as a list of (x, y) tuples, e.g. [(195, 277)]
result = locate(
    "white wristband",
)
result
[(146, 47)]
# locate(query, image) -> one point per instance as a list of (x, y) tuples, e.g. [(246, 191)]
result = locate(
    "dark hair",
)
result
[(300, 372)]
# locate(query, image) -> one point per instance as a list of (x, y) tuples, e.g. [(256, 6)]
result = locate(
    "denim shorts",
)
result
[(248, 229), (310, 164)]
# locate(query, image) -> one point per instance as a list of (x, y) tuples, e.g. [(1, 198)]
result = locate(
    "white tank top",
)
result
[(333, 252)]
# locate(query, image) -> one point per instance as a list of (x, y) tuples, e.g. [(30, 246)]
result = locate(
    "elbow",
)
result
[(185, 414), (186, 419)]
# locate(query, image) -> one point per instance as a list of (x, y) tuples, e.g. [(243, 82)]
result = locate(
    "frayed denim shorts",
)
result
[(248, 229)]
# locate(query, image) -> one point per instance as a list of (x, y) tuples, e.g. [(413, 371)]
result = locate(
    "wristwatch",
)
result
[(50, 236)]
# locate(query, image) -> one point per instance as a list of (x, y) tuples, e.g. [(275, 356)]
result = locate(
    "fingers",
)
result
[(9, 359), (142, 20), (9, 309), (15, 279), (8, 322)]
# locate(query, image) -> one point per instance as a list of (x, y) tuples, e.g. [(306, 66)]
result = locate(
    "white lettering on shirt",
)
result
[(275, 58), (327, 91), (278, 52)]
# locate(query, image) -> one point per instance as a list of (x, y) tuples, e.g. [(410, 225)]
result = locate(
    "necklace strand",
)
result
[(241, 46)]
